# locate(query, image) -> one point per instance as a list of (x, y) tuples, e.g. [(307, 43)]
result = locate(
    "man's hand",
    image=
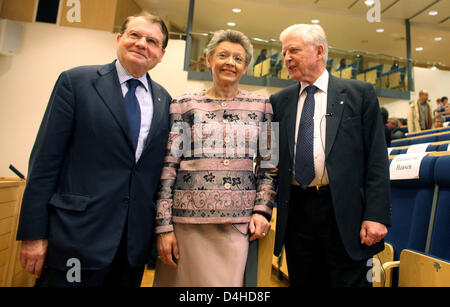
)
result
[(32, 255), (259, 227), (168, 248), (372, 232)]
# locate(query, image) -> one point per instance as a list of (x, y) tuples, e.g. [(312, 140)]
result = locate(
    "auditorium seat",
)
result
[(417, 269), (425, 132), (440, 239), (411, 208), (424, 139), (432, 147)]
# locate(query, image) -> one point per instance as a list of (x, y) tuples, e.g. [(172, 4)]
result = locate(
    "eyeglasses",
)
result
[(236, 58), (151, 41)]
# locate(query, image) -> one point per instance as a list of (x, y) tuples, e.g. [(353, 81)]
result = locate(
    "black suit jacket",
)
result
[(356, 160), (83, 180)]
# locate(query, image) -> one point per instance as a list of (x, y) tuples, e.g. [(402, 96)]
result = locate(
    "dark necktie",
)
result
[(304, 156), (133, 110)]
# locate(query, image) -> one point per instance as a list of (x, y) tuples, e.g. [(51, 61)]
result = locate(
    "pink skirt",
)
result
[(211, 255)]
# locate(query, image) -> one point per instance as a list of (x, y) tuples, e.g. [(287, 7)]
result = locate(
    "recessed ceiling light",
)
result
[(369, 2), (438, 38), (432, 13), (231, 24), (236, 10), (380, 30), (315, 21), (419, 48)]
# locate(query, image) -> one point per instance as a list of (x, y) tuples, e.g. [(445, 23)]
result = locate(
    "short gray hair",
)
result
[(232, 36), (311, 35)]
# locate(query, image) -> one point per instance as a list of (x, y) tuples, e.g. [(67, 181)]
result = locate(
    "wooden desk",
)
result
[(11, 273)]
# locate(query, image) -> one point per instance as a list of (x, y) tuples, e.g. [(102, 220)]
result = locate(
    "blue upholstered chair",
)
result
[(411, 208), (440, 239)]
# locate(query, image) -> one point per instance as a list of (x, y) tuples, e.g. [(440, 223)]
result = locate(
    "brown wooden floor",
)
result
[(147, 280)]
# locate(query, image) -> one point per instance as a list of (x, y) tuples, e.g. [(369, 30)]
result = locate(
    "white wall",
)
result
[(27, 79)]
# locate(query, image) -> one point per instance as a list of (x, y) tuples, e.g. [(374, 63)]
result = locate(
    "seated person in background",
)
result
[(387, 131), (394, 126), (440, 107), (438, 121), (445, 104), (277, 68), (261, 57), (394, 66), (403, 122)]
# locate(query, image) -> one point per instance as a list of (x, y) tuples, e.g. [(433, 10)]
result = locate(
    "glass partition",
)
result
[(382, 71)]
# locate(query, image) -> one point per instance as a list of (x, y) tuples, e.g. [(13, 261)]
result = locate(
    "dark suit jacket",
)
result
[(356, 160), (83, 180)]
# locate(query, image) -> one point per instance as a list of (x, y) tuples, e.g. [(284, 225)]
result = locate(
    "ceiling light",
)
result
[(236, 10), (315, 21), (380, 30), (432, 13), (438, 38), (231, 24), (369, 2), (419, 48)]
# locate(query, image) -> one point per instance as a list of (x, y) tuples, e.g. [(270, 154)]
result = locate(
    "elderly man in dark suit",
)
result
[(95, 166), (333, 196)]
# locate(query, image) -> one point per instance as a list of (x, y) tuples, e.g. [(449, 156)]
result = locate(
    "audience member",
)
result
[(387, 131), (394, 126), (440, 107), (438, 121), (261, 57), (445, 104), (419, 113)]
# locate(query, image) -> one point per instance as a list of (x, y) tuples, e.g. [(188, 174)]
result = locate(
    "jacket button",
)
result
[(126, 199)]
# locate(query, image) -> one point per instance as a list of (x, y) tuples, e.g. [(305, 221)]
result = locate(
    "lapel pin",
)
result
[(342, 102), (159, 99)]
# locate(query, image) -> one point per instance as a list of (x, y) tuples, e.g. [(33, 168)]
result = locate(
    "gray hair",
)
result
[(311, 35), (232, 36)]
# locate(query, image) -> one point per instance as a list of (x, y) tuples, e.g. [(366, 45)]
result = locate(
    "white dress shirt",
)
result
[(320, 122), (144, 97)]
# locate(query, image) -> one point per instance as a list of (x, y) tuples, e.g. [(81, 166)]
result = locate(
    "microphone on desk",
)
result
[(16, 171)]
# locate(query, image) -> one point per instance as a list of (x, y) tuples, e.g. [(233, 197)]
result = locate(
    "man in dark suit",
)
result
[(88, 210), (333, 200)]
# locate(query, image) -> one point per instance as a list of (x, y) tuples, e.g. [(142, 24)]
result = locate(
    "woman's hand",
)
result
[(168, 248), (259, 227)]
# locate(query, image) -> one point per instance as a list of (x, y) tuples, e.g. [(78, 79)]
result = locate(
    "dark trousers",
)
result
[(314, 250), (118, 274)]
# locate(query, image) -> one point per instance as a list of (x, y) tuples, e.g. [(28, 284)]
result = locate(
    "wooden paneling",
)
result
[(7, 209), (11, 273), (5, 225), (124, 9), (4, 241), (23, 10), (95, 14), (4, 257), (9, 193)]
